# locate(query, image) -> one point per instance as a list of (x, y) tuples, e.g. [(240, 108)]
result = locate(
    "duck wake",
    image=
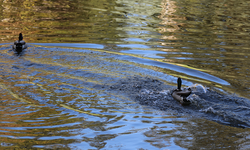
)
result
[(205, 103)]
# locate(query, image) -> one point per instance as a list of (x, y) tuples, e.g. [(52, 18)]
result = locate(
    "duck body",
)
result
[(181, 95), (19, 45)]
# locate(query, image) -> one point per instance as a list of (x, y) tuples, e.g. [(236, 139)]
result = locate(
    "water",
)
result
[(52, 96)]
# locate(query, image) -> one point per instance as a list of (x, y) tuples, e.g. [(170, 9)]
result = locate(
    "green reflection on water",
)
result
[(207, 35), (212, 36), (55, 22)]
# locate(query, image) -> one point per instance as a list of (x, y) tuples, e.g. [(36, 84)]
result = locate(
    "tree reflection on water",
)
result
[(47, 102)]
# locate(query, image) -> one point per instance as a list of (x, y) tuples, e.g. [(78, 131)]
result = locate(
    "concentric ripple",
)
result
[(61, 98)]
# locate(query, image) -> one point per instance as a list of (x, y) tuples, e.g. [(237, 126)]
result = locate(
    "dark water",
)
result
[(52, 98)]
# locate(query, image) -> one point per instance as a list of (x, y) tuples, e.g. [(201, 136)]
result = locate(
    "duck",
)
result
[(19, 45), (181, 95)]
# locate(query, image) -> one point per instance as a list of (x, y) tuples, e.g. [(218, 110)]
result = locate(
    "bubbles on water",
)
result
[(144, 91), (198, 88), (165, 92), (207, 110), (194, 99)]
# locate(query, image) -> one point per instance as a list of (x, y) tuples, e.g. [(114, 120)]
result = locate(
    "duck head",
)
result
[(20, 37), (179, 83)]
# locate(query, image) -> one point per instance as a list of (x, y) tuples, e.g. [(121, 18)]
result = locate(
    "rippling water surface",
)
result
[(55, 94)]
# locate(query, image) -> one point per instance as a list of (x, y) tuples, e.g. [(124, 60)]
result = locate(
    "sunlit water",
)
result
[(52, 95)]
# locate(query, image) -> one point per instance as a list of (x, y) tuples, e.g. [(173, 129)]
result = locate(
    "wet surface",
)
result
[(74, 98), (97, 74)]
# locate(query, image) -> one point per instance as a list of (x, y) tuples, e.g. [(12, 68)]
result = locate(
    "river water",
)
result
[(54, 94)]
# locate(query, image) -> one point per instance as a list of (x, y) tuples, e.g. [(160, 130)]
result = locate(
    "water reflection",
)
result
[(207, 36), (64, 21), (207, 32), (207, 135), (54, 99), (51, 98)]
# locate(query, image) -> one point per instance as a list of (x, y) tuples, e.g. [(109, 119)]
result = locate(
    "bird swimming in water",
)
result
[(19, 45), (181, 95)]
